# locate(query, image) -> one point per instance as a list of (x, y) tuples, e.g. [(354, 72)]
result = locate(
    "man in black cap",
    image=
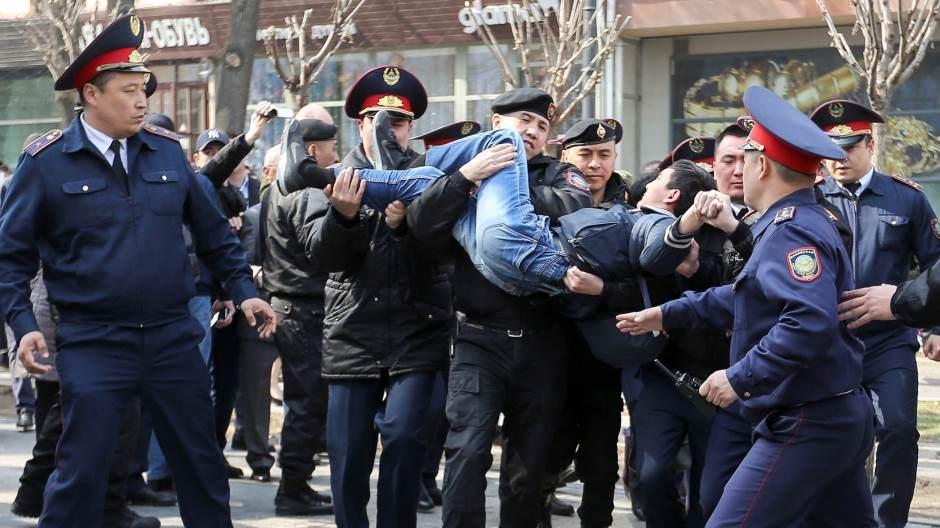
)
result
[(115, 194), (296, 285), (388, 314), (509, 351)]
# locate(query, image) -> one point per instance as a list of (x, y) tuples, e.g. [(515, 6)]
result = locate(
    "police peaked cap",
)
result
[(447, 133), (847, 122), (699, 150), (389, 88), (114, 50)]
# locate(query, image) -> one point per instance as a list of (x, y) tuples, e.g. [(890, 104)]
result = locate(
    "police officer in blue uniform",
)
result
[(102, 205), (795, 369), (893, 224)]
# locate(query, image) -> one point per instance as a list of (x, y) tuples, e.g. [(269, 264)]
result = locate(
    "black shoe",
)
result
[(386, 153), (430, 485), (24, 421), (148, 496), (425, 504), (558, 507), (296, 499), (128, 518), (26, 507), (263, 475), (295, 169), (164, 484), (271, 448), (233, 472), (315, 495)]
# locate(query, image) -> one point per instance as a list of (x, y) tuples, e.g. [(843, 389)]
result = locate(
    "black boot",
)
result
[(26, 504), (297, 498), (430, 484), (386, 153), (295, 169), (557, 507)]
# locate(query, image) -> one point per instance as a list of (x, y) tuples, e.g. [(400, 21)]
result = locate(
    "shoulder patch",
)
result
[(787, 213), (42, 142), (935, 227), (804, 264), (907, 181), (154, 129), (577, 181)]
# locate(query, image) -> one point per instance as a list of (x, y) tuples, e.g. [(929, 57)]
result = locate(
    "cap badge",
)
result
[(391, 76), (697, 145), (841, 130), (466, 128), (601, 132), (135, 25), (612, 124), (747, 123), (135, 56), (550, 114), (836, 110), (390, 101)]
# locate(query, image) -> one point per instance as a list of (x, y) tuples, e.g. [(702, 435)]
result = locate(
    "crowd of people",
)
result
[(741, 296)]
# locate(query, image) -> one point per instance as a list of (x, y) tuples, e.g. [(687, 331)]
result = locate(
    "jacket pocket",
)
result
[(163, 192), (87, 201)]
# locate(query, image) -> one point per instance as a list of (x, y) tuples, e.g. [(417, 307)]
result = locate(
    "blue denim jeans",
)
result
[(510, 244)]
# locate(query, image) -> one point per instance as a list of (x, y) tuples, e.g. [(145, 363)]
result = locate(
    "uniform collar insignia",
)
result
[(787, 213)]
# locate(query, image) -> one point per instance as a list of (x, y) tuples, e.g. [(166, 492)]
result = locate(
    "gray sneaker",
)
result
[(386, 153)]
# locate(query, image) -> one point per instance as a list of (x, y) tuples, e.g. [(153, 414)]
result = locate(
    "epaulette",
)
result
[(42, 142), (154, 129), (831, 215), (907, 181), (787, 213)]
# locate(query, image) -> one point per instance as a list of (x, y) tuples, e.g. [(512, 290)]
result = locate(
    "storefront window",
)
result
[(707, 93), (27, 106), (484, 74), (433, 67)]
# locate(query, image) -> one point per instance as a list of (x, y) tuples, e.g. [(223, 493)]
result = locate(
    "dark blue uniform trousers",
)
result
[(357, 414), (101, 369), (662, 418), (728, 443), (894, 397), (806, 467)]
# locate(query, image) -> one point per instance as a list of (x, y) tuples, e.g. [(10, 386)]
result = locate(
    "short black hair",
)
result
[(689, 179), (98, 81), (734, 130)]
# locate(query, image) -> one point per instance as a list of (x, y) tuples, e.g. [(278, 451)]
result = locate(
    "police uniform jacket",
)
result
[(556, 189), (893, 223), (788, 347), (289, 270), (387, 301), (109, 256)]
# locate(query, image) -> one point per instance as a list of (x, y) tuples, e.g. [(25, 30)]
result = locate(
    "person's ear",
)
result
[(312, 150), (870, 145), (672, 197), (564, 156), (494, 121), (764, 167)]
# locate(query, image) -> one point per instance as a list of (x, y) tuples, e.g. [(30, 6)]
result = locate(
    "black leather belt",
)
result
[(515, 333)]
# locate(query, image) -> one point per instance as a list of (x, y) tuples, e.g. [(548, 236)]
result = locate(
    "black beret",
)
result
[(447, 133), (316, 130), (592, 132), (160, 120), (525, 100)]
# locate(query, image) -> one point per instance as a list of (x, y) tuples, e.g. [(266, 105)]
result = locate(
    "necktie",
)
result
[(853, 188), (116, 166)]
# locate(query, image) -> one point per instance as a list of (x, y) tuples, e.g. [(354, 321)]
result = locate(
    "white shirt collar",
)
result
[(863, 182), (102, 142)]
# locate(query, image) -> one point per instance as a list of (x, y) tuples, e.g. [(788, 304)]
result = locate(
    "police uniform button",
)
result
[(163, 177), (375, 299), (747, 395), (84, 188)]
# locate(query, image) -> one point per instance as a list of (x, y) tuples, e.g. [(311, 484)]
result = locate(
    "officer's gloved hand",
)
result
[(232, 201)]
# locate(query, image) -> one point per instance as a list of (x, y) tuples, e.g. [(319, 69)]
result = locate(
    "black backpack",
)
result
[(598, 242)]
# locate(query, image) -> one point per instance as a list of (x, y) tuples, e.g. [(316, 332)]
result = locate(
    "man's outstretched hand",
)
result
[(865, 305), (636, 323)]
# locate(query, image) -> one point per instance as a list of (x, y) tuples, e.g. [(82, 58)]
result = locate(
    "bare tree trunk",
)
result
[(235, 78), (880, 131), (120, 7)]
